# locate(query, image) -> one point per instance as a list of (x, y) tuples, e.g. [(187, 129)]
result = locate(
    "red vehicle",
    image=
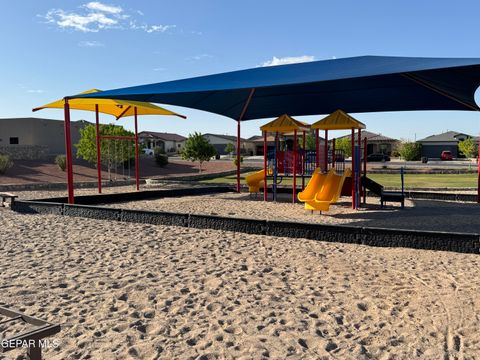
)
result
[(446, 155)]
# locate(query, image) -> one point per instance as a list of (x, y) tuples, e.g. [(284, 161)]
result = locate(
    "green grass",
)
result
[(389, 180)]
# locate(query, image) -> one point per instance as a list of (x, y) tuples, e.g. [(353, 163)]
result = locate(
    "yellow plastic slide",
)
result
[(255, 181), (313, 186), (329, 192)]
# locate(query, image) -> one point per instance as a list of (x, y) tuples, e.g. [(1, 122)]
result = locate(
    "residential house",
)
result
[(376, 143), (168, 142), (220, 142), (36, 138), (286, 138), (432, 146)]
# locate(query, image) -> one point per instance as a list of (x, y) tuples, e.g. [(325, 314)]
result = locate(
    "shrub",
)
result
[(235, 160), (5, 163), (61, 161), (160, 158), (410, 151), (197, 148)]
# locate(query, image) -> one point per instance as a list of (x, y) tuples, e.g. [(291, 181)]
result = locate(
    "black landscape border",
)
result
[(371, 236)]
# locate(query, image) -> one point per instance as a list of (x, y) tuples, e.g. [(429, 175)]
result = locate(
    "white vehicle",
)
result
[(148, 152)]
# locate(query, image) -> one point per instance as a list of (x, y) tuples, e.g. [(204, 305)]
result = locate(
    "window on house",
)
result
[(14, 141)]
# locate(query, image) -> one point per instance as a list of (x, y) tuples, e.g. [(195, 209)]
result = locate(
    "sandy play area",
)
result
[(123, 291)]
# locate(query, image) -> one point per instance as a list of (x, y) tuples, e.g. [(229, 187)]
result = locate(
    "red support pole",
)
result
[(264, 166), (68, 152), (294, 190), (333, 152), (317, 149), (326, 151), (97, 138), (353, 167), (478, 180), (137, 165), (244, 110), (365, 167), (357, 178), (303, 162)]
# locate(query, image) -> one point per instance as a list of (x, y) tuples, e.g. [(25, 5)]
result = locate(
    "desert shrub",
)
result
[(61, 161), (410, 151), (235, 160), (5, 163), (160, 157)]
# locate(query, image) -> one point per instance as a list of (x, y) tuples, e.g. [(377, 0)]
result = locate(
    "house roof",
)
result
[(371, 137), (226, 137), (161, 136), (444, 137)]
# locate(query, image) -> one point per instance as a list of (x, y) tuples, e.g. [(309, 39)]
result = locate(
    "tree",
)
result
[(310, 143), (468, 148), (197, 148), (229, 149), (113, 152), (410, 151), (344, 144)]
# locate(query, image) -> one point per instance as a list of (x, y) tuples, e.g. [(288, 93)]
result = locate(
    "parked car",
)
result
[(378, 157), (446, 155), (148, 152)]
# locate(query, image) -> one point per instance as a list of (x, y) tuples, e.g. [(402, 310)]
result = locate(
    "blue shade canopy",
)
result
[(355, 85)]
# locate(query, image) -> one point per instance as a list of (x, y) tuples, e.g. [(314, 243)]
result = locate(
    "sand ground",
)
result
[(134, 291)]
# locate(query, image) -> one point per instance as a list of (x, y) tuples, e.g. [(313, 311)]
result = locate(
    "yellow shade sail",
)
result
[(284, 124), (117, 108), (338, 120)]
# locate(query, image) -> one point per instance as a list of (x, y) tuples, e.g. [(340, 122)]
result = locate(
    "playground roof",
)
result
[(357, 84), (283, 124), (338, 120), (117, 108)]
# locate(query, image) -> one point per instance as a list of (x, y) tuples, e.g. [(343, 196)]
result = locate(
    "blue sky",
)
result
[(55, 48)]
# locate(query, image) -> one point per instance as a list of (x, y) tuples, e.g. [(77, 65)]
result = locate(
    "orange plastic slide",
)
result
[(313, 186), (255, 181), (329, 192)]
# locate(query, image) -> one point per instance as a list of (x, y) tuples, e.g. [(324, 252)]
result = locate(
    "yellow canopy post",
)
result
[(338, 120), (117, 108)]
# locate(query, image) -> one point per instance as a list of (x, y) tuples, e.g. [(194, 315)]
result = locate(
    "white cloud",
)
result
[(199, 57), (35, 91), (95, 16), (95, 5), (288, 60), (87, 43)]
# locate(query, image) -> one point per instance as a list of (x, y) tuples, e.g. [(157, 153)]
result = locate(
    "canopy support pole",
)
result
[(317, 149), (365, 167), (358, 175), (478, 178), (294, 190), (68, 152), (99, 163), (303, 162), (334, 156), (325, 162), (264, 166), (137, 172), (242, 114), (353, 168)]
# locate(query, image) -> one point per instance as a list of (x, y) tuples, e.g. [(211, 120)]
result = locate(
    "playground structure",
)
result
[(327, 182), (117, 108)]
